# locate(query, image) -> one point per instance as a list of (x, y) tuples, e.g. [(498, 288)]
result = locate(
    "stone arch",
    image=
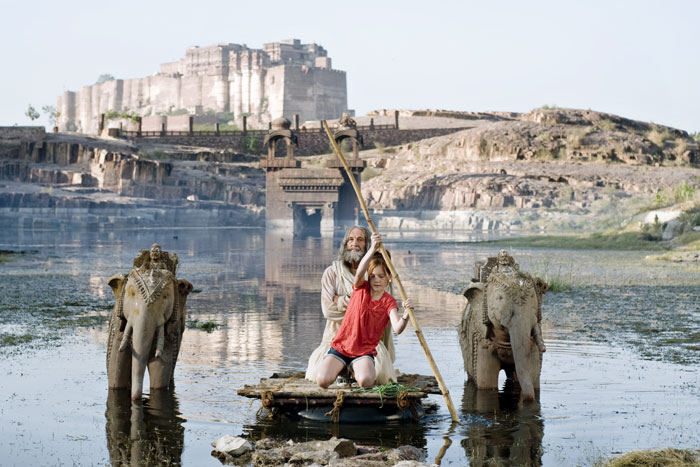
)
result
[(280, 131)]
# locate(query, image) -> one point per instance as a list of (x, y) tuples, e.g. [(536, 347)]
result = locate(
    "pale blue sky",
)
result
[(638, 59)]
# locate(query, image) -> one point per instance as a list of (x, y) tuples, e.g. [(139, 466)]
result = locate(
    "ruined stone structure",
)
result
[(307, 200), (282, 78)]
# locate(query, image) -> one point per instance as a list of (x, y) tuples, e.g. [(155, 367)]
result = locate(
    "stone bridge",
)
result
[(312, 141)]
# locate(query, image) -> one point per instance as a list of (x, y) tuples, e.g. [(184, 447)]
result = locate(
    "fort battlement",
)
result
[(282, 78)]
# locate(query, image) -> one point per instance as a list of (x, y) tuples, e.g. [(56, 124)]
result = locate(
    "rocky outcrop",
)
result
[(121, 168), (49, 180), (335, 452), (548, 158)]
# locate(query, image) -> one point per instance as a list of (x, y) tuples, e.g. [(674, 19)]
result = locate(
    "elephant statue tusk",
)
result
[(160, 341), (538, 339), (127, 336)]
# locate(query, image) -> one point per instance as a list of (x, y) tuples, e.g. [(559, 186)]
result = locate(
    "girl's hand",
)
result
[(376, 240), (408, 304)]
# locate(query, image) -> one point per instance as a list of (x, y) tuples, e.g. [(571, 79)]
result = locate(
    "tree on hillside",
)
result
[(51, 113), (105, 77), (32, 113)]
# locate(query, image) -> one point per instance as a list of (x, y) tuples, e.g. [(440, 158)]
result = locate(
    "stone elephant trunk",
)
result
[(501, 328), (146, 327)]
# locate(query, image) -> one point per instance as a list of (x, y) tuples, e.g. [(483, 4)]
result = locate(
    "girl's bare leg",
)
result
[(365, 374), (329, 369)]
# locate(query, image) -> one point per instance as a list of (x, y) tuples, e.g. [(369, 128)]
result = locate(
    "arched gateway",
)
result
[(309, 200)]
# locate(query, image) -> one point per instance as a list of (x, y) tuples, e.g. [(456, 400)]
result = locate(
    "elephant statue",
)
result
[(147, 322), (501, 326)]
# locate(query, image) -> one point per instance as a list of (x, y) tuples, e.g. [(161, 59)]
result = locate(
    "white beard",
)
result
[(353, 256)]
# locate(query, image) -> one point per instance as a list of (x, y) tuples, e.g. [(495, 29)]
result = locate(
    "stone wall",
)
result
[(22, 133), (310, 143)]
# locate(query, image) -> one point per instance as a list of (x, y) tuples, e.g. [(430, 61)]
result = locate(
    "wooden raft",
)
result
[(290, 391)]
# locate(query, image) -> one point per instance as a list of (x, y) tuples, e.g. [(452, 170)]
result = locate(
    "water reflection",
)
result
[(501, 430), (144, 433), (389, 435)]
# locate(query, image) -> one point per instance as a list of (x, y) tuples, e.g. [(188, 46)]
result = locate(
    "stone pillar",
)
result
[(296, 122), (327, 221), (396, 119), (101, 124), (371, 123), (190, 125), (162, 129), (245, 124), (216, 128)]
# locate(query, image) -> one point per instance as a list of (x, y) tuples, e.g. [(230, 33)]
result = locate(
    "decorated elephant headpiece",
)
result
[(503, 271)]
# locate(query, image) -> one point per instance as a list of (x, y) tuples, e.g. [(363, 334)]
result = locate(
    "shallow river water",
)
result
[(620, 373)]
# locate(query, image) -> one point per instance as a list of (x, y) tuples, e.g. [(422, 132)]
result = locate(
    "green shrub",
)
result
[(574, 139), (126, 114), (683, 192), (155, 155), (657, 135), (369, 173)]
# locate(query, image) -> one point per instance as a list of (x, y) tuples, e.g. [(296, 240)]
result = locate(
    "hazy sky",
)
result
[(638, 59)]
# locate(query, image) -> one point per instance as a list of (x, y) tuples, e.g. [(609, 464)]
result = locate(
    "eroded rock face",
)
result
[(118, 167), (542, 159)]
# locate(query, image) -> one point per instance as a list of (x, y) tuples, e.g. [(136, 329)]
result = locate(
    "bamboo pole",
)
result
[(395, 276)]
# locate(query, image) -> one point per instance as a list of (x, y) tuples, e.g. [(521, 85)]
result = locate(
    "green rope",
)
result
[(388, 390)]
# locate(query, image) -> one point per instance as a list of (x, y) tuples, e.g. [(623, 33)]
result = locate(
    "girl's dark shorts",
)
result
[(348, 361)]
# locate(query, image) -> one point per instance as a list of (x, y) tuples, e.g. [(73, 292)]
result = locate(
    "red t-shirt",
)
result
[(364, 322)]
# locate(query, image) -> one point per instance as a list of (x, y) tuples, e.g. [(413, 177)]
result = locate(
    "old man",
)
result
[(336, 288)]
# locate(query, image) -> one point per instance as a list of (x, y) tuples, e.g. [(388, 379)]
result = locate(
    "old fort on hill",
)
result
[(282, 78)]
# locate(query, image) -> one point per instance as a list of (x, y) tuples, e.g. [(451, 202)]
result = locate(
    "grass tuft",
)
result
[(649, 458), (11, 340), (557, 281)]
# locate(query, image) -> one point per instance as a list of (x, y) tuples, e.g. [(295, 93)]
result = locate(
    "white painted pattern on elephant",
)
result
[(152, 283)]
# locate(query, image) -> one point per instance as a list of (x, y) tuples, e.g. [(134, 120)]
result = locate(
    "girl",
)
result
[(369, 310)]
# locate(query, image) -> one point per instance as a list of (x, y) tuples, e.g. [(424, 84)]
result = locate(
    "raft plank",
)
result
[(293, 389)]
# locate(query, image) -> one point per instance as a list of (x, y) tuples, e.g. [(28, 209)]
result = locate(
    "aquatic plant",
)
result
[(10, 340), (207, 326)]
